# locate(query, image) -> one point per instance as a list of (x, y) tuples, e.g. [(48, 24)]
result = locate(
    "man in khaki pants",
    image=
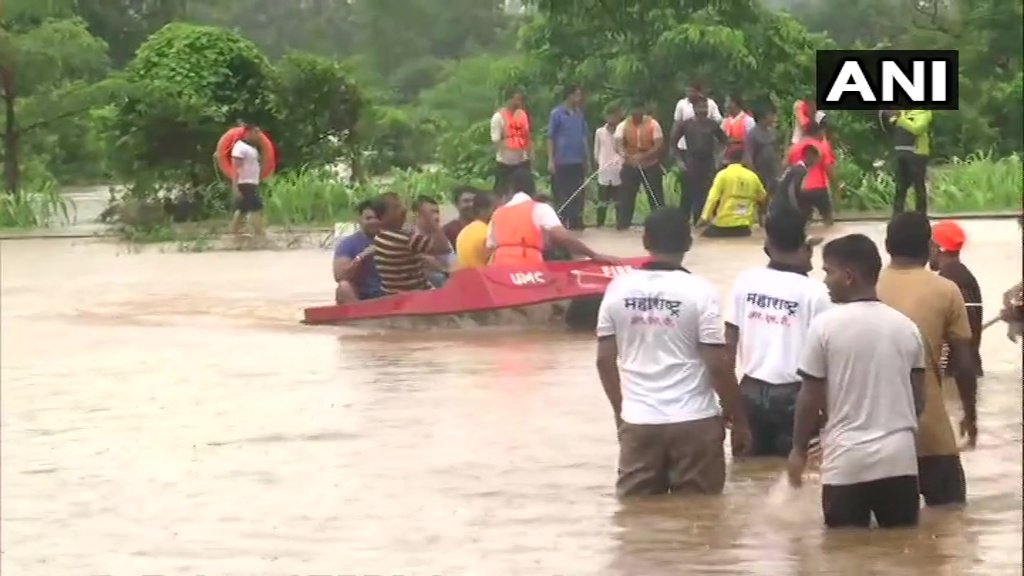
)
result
[(661, 358)]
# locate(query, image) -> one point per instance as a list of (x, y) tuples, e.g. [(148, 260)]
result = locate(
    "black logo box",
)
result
[(828, 63)]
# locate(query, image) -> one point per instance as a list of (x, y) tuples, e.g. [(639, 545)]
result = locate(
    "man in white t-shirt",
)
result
[(245, 182), (863, 366), (542, 218), (661, 359), (772, 309)]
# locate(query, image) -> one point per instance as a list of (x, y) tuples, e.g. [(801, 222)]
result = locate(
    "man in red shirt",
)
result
[(815, 193)]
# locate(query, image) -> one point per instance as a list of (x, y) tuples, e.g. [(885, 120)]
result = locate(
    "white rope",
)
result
[(647, 185), (578, 190)]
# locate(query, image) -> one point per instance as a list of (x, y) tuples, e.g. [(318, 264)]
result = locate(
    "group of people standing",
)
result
[(732, 165), (856, 363)]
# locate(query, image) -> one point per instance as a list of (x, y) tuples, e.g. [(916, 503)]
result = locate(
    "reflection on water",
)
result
[(165, 413)]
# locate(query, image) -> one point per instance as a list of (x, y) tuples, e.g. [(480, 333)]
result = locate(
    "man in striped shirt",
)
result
[(398, 249), (948, 239)]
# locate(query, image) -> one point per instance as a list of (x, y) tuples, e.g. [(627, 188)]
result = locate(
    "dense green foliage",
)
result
[(138, 91)]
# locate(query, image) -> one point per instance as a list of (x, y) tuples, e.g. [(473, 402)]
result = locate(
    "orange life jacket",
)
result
[(517, 239), (638, 137), (735, 128), (517, 129)]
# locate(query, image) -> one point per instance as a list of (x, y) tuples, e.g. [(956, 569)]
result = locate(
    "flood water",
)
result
[(165, 413)]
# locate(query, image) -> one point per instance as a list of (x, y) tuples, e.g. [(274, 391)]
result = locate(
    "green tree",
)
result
[(50, 71)]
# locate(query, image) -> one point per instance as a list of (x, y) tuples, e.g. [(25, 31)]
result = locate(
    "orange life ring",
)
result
[(268, 155)]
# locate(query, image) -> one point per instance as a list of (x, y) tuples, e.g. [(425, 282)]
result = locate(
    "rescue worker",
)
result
[(639, 140), (520, 229), (736, 124), (911, 145), (510, 134), (735, 200)]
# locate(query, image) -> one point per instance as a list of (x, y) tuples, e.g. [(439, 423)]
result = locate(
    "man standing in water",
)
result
[(661, 359), (704, 138), (245, 182), (937, 308), (639, 139), (912, 144), (510, 134), (609, 166), (354, 269), (816, 193), (948, 239), (791, 183), (462, 197), (772, 309), (569, 156), (861, 366), (685, 109), (737, 123)]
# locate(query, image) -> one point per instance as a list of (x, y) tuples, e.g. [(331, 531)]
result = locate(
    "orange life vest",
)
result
[(735, 128), (517, 129), (638, 137), (517, 239)]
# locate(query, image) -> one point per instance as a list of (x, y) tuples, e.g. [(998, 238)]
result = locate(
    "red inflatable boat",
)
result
[(485, 289)]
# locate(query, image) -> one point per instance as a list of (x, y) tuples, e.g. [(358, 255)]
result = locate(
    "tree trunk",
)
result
[(12, 176)]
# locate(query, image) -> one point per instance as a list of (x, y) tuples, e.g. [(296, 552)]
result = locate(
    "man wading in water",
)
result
[(661, 358), (245, 183), (569, 156), (638, 140), (948, 239), (703, 138), (937, 308), (861, 366), (772, 309)]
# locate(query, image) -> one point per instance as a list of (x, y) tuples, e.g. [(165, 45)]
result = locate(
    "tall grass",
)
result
[(44, 206)]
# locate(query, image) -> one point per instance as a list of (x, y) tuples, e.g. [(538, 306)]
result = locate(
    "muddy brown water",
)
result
[(166, 413)]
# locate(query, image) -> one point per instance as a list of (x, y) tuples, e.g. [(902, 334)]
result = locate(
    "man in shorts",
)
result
[(662, 362), (245, 182), (862, 365)]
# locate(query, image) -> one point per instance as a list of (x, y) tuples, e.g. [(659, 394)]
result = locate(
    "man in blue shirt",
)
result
[(569, 156), (354, 268)]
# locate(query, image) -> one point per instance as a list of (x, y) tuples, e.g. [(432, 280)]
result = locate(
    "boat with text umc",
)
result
[(579, 283)]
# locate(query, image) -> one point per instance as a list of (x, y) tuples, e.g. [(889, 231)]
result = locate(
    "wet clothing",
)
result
[(677, 458), (735, 198), (566, 184), (633, 181), (911, 171), (818, 200), (893, 501), (959, 274), (788, 189), (713, 231), (937, 308), (770, 410)]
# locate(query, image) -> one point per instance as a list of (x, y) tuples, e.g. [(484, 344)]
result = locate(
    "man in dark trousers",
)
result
[(569, 156), (911, 133), (704, 137), (639, 140)]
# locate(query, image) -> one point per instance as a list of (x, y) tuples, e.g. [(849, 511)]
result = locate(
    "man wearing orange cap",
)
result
[(947, 240)]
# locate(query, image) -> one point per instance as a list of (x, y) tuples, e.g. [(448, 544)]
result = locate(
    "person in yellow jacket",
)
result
[(735, 201), (911, 131)]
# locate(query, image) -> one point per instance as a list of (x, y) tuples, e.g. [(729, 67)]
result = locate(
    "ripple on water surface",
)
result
[(166, 414)]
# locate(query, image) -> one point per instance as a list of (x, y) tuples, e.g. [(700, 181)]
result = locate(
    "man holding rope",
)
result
[(639, 140), (569, 156)]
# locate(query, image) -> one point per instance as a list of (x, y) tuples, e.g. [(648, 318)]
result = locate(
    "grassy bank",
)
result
[(41, 206)]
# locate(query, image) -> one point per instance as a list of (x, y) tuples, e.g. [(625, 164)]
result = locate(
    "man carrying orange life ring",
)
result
[(520, 228), (245, 182)]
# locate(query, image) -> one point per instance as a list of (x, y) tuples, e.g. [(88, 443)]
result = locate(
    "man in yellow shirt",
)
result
[(735, 200), (471, 244)]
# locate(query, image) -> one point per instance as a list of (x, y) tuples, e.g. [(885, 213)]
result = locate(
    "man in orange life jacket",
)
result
[(510, 134), (520, 229), (736, 123), (639, 140)]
